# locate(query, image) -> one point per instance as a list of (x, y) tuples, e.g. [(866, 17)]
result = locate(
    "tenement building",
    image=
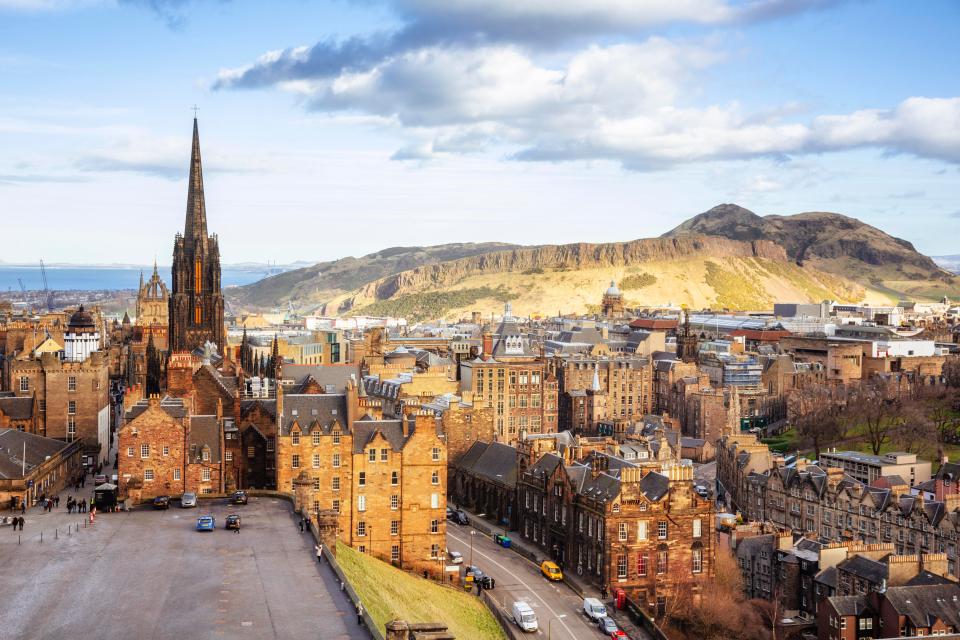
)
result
[(196, 301)]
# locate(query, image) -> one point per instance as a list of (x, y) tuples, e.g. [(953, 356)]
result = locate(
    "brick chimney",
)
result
[(487, 349)]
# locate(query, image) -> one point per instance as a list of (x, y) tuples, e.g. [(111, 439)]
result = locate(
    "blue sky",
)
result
[(341, 128)]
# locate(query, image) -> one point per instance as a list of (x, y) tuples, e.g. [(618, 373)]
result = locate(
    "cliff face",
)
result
[(573, 257)]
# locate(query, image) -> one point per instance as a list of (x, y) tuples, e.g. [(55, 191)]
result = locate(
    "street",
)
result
[(519, 579)]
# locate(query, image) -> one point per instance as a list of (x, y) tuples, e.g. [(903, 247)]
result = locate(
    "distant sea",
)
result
[(99, 278)]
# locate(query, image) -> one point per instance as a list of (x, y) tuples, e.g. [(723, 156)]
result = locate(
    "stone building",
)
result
[(602, 388), (32, 466), (153, 310), (611, 306), (386, 478), (196, 301), (72, 396), (165, 450), (21, 413)]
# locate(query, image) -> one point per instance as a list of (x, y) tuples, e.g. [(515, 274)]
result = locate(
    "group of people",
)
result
[(17, 522), (80, 506), (47, 504)]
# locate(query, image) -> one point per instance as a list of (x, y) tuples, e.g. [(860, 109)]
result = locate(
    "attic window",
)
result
[(293, 412), (616, 507), (329, 388)]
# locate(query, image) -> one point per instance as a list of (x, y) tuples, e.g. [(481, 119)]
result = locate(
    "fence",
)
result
[(45, 535)]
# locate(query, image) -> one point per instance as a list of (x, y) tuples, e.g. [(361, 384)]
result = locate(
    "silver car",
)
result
[(188, 500)]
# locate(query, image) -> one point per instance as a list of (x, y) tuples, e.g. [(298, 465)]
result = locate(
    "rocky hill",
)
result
[(313, 286), (727, 257), (831, 242)]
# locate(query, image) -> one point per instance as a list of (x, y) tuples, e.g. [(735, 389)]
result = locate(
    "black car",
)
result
[(233, 522), (161, 502), (239, 497), (459, 517)]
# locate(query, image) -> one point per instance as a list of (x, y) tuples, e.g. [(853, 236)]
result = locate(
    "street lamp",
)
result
[(550, 623), (472, 533)]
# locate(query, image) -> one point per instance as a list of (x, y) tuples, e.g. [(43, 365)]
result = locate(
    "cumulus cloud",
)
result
[(469, 76)]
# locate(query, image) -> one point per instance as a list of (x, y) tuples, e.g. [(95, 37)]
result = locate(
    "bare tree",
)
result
[(816, 411), (951, 372), (877, 405)]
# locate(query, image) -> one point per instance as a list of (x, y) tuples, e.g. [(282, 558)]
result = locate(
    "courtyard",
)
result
[(150, 574)]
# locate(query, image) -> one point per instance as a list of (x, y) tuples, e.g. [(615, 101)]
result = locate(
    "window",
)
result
[(662, 559), (696, 557), (641, 530), (372, 455), (148, 475), (72, 407), (435, 454), (434, 500), (362, 479), (316, 484), (394, 527), (24, 383), (129, 452), (662, 530), (145, 451), (205, 455), (166, 450), (622, 535), (394, 478), (205, 475), (361, 503), (336, 437), (434, 526), (251, 452), (315, 438), (72, 383), (335, 483), (361, 528), (395, 553), (642, 564), (295, 438), (697, 527), (176, 474), (316, 461), (435, 477), (434, 551), (71, 428), (622, 567), (336, 460), (295, 463), (384, 455), (866, 624), (336, 506)]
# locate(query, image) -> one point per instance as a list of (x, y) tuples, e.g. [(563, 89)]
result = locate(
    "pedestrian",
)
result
[(21, 523), (319, 551), (301, 525), (56, 502), (359, 614), (23, 506), (16, 521)]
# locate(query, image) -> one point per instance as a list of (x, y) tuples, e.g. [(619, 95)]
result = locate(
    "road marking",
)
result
[(519, 580)]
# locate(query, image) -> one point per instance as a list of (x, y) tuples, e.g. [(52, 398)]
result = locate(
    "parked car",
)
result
[(488, 582), (161, 502), (449, 513), (607, 625), (524, 616), (619, 634), (239, 497), (233, 522), (502, 540), (206, 523), (474, 571), (456, 557), (99, 479), (188, 500), (551, 571), (594, 609), (459, 517)]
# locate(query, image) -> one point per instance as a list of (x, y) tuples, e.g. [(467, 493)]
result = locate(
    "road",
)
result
[(519, 579)]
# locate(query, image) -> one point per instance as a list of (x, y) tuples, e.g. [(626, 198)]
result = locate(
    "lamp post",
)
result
[(550, 623), (472, 533)]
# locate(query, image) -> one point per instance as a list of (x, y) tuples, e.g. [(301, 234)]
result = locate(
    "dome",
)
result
[(613, 291), (81, 319)]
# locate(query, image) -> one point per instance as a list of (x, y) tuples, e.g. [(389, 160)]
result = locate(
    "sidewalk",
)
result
[(576, 583)]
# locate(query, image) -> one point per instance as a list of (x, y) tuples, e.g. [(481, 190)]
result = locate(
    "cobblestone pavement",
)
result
[(150, 574)]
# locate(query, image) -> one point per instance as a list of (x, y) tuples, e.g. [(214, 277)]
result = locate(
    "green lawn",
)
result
[(388, 593)]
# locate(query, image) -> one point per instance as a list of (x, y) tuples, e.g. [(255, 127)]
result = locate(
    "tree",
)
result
[(877, 406), (816, 411), (951, 372)]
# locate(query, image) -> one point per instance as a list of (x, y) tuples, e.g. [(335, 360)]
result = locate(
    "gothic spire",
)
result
[(196, 222)]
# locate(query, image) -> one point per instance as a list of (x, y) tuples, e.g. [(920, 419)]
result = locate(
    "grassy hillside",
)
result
[(389, 593), (737, 283)]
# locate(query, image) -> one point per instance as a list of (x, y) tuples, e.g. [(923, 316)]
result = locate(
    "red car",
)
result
[(619, 635)]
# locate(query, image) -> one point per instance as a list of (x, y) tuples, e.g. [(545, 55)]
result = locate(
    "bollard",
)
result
[(41, 536), (18, 539), (56, 534)]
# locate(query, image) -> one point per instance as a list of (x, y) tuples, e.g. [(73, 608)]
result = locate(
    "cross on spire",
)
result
[(195, 108)]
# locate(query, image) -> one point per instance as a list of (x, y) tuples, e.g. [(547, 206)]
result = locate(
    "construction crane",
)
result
[(23, 289), (46, 289)]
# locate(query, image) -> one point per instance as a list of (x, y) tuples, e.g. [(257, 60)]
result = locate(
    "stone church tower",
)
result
[(196, 301)]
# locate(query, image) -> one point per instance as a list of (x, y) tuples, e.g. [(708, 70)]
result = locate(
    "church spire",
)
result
[(196, 222)]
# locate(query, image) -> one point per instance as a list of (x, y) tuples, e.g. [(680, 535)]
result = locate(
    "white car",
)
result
[(188, 500), (456, 557)]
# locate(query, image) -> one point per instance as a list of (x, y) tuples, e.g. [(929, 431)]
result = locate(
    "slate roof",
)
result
[(332, 376), (849, 605), (654, 486), (17, 408), (269, 406), (305, 409), (603, 488), (493, 461), (364, 432), (204, 431), (174, 407), (863, 567), (927, 578), (12, 442), (926, 604), (828, 577)]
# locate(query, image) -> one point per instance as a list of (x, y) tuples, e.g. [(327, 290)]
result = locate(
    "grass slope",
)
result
[(388, 593)]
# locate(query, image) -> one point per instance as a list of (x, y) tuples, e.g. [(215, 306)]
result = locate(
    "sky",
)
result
[(341, 128)]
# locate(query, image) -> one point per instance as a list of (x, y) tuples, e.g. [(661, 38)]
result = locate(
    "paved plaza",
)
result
[(150, 574)]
